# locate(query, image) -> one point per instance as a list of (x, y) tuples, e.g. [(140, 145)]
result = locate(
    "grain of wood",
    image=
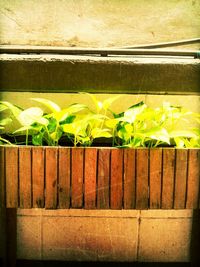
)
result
[(90, 178), (64, 178), (180, 179), (25, 177), (11, 157), (168, 178), (51, 172), (116, 175), (103, 179), (77, 177), (38, 177), (142, 178), (193, 183), (2, 179), (129, 179), (155, 178)]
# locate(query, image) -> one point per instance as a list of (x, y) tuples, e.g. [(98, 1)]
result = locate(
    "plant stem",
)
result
[(26, 137)]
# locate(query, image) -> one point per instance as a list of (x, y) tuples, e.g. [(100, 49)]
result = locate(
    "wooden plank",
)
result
[(77, 177), (103, 179), (11, 154), (168, 178), (129, 179), (193, 182), (155, 177), (38, 177), (116, 175), (51, 173), (90, 178), (180, 179), (2, 179), (142, 178), (64, 177), (25, 177)]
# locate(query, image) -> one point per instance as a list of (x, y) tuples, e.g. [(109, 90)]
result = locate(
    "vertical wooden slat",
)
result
[(180, 179), (155, 173), (25, 177), (38, 177), (129, 179), (11, 177), (2, 178), (77, 177), (103, 179), (193, 183), (51, 181), (142, 178), (168, 178), (116, 179), (64, 177), (90, 177)]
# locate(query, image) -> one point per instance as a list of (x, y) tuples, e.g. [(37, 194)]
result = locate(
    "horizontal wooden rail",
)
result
[(99, 178)]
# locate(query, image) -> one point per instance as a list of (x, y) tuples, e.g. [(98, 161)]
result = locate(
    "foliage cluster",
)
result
[(78, 125)]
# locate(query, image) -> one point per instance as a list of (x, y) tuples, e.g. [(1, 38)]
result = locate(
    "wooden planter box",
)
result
[(99, 178)]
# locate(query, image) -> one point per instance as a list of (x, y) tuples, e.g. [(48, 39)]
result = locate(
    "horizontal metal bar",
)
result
[(94, 51)]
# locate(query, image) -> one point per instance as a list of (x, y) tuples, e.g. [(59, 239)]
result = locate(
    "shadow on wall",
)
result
[(195, 238)]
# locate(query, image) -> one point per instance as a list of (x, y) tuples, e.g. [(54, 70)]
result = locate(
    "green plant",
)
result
[(138, 126), (141, 126), (3, 122)]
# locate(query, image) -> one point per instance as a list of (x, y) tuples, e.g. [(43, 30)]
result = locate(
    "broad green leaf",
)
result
[(179, 142), (182, 133), (108, 102), (69, 128), (111, 123), (130, 114), (3, 107), (48, 103), (64, 113), (4, 141), (32, 115), (52, 125), (14, 109), (5, 121), (37, 139), (157, 134), (97, 133), (129, 128), (68, 119), (97, 103), (25, 128)]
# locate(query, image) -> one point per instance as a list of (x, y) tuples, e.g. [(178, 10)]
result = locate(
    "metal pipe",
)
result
[(165, 44), (11, 49)]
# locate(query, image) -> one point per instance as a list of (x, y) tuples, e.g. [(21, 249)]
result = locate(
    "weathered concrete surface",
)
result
[(165, 237), (51, 73), (85, 235), (77, 235), (100, 23)]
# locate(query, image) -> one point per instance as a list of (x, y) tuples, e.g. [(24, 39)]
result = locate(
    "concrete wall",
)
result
[(86, 235), (89, 23)]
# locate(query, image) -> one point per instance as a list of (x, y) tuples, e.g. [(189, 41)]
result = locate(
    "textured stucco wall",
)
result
[(98, 23)]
